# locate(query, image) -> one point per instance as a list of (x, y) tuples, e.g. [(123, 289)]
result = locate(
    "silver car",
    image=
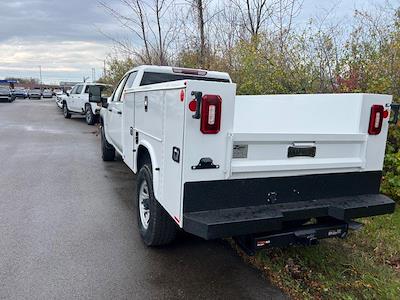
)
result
[(6, 95), (47, 94), (35, 93)]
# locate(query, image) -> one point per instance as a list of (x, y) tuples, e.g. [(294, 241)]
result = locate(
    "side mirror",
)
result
[(394, 115), (67, 94), (95, 94), (104, 102)]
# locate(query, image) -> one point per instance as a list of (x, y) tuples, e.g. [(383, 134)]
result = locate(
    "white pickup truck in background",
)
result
[(266, 170), (78, 102)]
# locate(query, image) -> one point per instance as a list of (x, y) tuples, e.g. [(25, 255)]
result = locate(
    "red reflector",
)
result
[(211, 114), (385, 114), (192, 105), (182, 95), (376, 119)]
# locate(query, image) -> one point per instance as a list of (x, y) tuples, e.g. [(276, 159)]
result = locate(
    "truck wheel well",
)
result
[(143, 157)]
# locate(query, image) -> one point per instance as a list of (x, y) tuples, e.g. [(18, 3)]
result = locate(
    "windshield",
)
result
[(154, 77)]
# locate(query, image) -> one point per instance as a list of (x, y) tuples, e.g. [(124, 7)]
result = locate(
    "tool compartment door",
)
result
[(171, 170), (290, 135)]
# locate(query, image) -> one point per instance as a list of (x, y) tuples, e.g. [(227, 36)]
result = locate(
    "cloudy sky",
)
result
[(63, 36)]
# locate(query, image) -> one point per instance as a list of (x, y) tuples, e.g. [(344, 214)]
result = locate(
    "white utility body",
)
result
[(252, 167)]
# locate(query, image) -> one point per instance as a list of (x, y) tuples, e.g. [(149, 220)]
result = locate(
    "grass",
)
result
[(366, 265)]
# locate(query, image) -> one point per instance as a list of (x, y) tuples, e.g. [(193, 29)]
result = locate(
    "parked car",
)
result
[(256, 168), (20, 93), (60, 98), (6, 95), (35, 94), (78, 102), (47, 94), (57, 92)]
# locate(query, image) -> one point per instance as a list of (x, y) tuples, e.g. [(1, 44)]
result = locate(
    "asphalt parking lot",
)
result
[(68, 223)]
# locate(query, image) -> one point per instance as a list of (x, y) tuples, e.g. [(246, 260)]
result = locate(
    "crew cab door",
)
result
[(129, 132), (83, 98), (113, 120), (71, 98), (75, 98)]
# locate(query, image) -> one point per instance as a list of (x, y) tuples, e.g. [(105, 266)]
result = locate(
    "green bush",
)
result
[(391, 171)]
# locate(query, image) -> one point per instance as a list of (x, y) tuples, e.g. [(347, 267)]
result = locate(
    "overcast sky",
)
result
[(63, 36)]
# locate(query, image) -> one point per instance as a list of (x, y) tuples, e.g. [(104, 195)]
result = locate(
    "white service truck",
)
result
[(77, 101), (266, 170)]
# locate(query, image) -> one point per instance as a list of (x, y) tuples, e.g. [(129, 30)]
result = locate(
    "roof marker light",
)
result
[(189, 71)]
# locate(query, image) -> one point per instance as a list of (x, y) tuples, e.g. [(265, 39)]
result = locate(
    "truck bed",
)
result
[(293, 157)]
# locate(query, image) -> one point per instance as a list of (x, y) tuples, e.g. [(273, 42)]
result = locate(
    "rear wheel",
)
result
[(89, 115), (107, 150), (66, 112), (156, 226)]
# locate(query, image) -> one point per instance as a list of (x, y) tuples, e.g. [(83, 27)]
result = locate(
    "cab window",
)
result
[(119, 90), (131, 79), (73, 91), (79, 89)]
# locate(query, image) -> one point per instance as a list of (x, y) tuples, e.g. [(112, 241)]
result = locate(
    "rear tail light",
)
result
[(376, 120), (211, 114)]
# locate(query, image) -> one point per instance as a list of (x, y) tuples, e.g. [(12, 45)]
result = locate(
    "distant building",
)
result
[(67, 84), (8, 82), (12, 84)]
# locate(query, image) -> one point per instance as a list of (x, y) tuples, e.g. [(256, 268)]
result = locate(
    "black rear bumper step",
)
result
[(212, 224), (305, 235)]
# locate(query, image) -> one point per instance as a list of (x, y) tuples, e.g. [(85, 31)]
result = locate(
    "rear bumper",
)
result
[(219, 223)]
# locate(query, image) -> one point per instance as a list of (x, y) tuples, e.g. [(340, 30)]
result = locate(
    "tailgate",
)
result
[(286, 135)]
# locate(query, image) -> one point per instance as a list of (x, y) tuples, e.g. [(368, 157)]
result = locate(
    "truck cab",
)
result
[(268, 170), (77, 102)]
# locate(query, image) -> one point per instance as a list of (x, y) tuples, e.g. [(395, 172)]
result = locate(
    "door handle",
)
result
[(110, 110), (119, 112), (146, 103)]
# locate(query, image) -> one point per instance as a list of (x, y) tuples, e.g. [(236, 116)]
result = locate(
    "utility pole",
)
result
[(40, 73), (93, 74)]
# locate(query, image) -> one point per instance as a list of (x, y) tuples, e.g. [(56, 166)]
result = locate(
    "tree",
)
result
[(150, 23)]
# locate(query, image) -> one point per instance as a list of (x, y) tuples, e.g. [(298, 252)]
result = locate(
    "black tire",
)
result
[(107, 150), (66, 112), (89, 115), (161, 229)]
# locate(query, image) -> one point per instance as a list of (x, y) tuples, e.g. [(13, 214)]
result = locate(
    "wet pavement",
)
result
[(68, 223)]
